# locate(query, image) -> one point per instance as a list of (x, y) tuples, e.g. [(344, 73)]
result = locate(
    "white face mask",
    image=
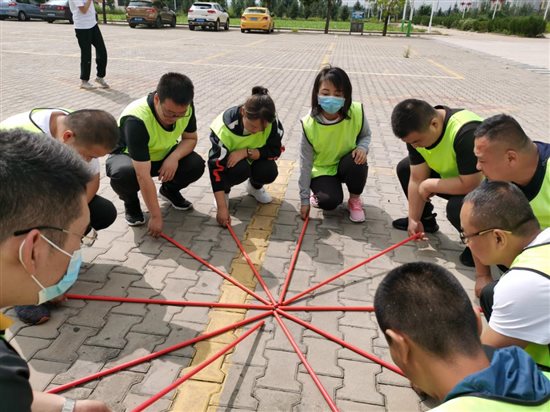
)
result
[(73, 268)]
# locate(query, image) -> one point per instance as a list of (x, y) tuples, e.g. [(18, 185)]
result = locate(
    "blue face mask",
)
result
[(51, 292), (331, 104)]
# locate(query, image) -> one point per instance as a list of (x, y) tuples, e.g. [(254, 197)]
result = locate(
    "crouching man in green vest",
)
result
[(44, 216), (158, 136), (91, 133), (246, 141), (441, 162), (500, 228), (504, 152), (432, 333)]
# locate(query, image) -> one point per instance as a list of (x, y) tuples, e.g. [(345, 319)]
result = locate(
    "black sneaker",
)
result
[(429, 223), (133, 215), (33, 314), (466, 258), (176, 199)]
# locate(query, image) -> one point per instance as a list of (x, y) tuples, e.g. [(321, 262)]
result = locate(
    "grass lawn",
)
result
[(297, 24)]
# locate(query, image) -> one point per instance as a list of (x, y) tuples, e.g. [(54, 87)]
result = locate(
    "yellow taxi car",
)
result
[(257, 18)]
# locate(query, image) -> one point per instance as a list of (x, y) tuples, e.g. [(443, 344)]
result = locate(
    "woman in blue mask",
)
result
[(335, 142)]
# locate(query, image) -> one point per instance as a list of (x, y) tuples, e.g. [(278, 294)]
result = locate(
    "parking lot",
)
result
[(39, 67)]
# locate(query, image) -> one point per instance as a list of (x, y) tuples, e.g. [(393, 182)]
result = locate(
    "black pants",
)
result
[(260, 172), (454, 202), (87, 38), (328, 189), (124, 180), (486, 299), (102, 213)]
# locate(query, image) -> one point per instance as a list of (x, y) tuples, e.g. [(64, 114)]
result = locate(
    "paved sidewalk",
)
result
[(39, 67)]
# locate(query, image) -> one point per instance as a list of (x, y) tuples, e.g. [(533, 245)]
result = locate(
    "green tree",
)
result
[(294, 9), (335, 9), (237, 7), (344, 13), (389, 8), (358, 6)]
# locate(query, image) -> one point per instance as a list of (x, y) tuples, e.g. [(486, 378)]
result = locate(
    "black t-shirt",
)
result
[(134, 135), (15, 389), (463, 145), (532, 189)]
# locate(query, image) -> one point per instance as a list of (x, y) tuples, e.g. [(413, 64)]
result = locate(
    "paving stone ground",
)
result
[(39, 68)]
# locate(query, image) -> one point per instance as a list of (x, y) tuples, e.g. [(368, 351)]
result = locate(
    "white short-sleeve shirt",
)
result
[(521, 306), (82, 20)]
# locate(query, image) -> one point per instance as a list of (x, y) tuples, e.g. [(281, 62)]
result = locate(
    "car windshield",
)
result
[(255, 11), (140, 4), (57, 2), (202, 5)]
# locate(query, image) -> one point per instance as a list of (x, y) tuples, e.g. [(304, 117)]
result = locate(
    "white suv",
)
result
[(207, 15)]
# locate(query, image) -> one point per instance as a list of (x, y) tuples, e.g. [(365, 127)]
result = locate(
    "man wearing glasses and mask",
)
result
[(158, 136), (500, 228), (43, 219)]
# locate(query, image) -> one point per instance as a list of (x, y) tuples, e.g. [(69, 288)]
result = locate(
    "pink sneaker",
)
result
[(313, 201), (356, 212)]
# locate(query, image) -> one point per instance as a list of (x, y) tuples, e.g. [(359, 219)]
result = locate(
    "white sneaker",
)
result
[(102, 83), (86, 85), (260, 194)]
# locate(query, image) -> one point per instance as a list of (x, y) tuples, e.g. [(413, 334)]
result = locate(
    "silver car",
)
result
[(20, 9)]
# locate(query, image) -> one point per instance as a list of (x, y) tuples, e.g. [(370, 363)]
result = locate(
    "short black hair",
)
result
[(501, 205), (176, 87), (411, 115), (340, 79), (93, 127), (43, 182), (260, 105), (503, 128), (427, 303)]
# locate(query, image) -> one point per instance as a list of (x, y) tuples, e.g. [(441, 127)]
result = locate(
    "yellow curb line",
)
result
[(204, 390)]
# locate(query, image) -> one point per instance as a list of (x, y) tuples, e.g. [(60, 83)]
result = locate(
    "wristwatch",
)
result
[(68, 406)]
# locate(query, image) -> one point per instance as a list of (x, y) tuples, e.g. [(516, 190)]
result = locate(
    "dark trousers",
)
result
[(328, 189), (260, 172), (454, 202), (124, 180), (486, 299), (87, 38), (102, 213)]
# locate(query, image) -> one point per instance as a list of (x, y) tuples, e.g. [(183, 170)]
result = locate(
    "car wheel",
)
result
[(243, 30), (132, 25), (191, 27), (49, 21), (71, 21), (203, 27), (226, 26), (217, 25), (173, 22), (158, 22), (21, 16), (2, 17)]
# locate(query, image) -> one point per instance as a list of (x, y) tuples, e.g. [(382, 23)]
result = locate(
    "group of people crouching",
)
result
[(49, 206)]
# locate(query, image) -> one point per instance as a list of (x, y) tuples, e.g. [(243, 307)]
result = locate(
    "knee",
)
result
[(195, 166), (328, 203), (122, 173)]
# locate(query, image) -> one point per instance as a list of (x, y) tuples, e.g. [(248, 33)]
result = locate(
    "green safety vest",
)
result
[(331, 142), (442, 157), (471, 403), (24, 120), (541, 202), (535, 259), (234, 141), (161, 141)]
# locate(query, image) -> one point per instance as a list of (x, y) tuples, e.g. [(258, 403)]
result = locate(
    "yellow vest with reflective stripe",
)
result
[(536, 258), (331, 142), (24, 120), (161, 141), (442, 158), (541, 202), (475, 404), (234, 141)]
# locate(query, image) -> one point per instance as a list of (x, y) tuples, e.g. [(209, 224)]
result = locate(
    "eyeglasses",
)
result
[(85, 240), (464, 238), (173, 115)]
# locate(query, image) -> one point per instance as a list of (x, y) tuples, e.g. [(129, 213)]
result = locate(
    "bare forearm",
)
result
[(416, 203), (149, 193), (185, 147), (458, 185)]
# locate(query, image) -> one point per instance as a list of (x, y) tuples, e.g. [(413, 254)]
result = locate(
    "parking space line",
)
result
[(328, 55), (446, 69)]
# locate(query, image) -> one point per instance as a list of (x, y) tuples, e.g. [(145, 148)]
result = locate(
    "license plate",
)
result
[(138, 18), (201, 20), (51, 14), (253, 18)]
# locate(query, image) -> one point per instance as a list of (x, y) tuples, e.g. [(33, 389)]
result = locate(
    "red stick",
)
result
[(293, 262), (170, 302), (214, 269), (342, 273), (328, 308), (310, 370), (157, 354), (197, 369), (343, 343), (256, 273)]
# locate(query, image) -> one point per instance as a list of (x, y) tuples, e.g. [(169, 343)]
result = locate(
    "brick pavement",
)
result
[(39, 67)]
